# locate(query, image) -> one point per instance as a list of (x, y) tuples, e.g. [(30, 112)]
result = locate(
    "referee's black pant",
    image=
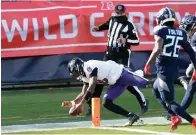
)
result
[(121, 58)]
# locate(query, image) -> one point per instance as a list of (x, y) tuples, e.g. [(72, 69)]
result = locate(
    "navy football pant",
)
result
[(188, 97), (165, 87), (156, 93)]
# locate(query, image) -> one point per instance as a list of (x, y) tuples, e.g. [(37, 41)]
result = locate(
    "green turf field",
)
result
[(44, 106), (182, 129), (79, 131)]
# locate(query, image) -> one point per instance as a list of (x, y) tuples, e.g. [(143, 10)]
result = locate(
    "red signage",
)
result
[(45, 28)]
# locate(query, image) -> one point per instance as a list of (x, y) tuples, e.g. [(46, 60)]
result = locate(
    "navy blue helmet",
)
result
[(75, 67), (188, 23), (165, 15)]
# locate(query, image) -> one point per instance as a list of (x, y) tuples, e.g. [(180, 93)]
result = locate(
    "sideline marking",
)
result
[(80, 124), (136, 130), (66, 117), (11, 118)]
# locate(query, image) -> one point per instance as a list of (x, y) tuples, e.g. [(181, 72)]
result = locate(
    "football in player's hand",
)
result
[(76, 111)]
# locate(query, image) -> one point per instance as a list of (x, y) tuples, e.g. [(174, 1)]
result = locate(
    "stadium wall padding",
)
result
[(39, 68)]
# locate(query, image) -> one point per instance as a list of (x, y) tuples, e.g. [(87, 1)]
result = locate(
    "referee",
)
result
[(122, 35)]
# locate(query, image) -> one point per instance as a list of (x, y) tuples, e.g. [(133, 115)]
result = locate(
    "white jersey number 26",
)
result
[(173, 52)]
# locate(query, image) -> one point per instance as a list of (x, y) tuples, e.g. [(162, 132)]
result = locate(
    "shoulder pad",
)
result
[(157, 28)]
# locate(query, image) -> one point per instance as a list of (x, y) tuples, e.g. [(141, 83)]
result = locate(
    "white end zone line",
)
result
[(136, 130), (66, 117), (106, 124), (46, 129), (103, 128)]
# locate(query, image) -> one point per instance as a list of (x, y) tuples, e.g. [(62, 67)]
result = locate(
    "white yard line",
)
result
[(137, 130), (45, 129), (82, 124), (104, 128), (66, 117)]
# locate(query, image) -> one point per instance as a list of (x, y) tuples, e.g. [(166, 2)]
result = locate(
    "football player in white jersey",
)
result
[(107, 72)]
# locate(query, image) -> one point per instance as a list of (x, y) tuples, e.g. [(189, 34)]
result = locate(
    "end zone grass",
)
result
[(44, 106)]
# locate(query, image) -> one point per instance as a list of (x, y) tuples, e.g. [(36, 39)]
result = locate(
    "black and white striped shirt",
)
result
[(118, 25)]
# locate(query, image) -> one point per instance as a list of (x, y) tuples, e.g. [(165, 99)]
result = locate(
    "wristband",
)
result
[(72, 103)]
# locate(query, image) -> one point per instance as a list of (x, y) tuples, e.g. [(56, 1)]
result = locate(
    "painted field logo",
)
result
[(107, 5)]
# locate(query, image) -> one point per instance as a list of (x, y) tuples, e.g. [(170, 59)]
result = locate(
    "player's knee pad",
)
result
[(155, 84), (140, 73)]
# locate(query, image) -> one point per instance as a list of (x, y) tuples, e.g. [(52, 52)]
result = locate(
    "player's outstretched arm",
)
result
[(89, 91), (156, 51), (82, 94), (78, 99)]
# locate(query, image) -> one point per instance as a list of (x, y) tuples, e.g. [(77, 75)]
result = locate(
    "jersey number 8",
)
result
[(172, 49)]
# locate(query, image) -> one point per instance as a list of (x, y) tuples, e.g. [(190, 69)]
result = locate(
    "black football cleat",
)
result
[(132, 117), (144, 108)]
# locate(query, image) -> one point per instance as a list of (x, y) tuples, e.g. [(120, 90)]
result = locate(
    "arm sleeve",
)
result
[(104, 26), (94, 72), (187, 47), (133, 38)]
